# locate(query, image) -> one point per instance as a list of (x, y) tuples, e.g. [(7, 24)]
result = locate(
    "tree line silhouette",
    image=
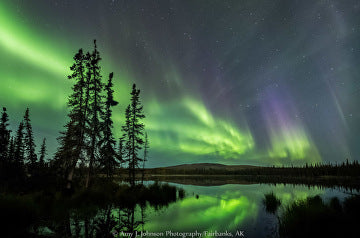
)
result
[(345, 175), (87, 146), (345, 168), (18, 159)]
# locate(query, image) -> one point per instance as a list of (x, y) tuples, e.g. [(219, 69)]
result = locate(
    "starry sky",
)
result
[(232, 82)]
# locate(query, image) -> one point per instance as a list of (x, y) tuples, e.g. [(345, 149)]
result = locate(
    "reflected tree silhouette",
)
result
[(105, 223), (271, 203)]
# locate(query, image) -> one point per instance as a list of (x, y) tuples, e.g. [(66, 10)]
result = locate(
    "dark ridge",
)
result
[(208, 166)]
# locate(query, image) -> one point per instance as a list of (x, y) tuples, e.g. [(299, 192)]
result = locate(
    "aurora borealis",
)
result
[(233, 82)]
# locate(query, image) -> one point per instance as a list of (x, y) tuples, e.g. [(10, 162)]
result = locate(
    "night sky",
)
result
[(233, 82)]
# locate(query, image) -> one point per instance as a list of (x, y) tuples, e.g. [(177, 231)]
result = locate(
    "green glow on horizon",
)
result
[(289, 140), (292, 144), (187, 126)]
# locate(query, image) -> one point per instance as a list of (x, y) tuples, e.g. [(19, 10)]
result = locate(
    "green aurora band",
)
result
[(28, 65), (186, 126), (34, 75)]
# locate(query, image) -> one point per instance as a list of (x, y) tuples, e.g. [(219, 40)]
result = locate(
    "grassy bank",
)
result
[(313, 217)]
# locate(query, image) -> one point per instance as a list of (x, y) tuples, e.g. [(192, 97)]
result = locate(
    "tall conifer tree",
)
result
[(121, 152), (4, 136), (108, 156), (42, 154), (11, 150), (126, 140), (4, 145), (95, 110), (133, 132), (72, 141), (30, 155), (19, 146), (146, 151)]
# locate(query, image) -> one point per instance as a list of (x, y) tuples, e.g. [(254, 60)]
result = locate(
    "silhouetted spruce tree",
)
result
[(4, 137), (108, 157), (121, 152), (95, 110), (134, 132), (126, 141), (72, 141), (146, 150), (64, 155), (11, 150), (42, 154), (4, 145), (30, 156), (19, 147)]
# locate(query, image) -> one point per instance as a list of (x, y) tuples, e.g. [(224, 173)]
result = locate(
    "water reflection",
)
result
[(127, 222), (271, 202), (164, 208), (206, 213), (229, 208)]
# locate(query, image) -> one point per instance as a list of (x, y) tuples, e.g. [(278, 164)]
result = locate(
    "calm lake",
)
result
[(161, 209), (228, 209)]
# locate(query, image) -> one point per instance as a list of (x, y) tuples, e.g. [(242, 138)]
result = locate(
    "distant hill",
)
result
[(199, 168), (214, 166), (345, 175)]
